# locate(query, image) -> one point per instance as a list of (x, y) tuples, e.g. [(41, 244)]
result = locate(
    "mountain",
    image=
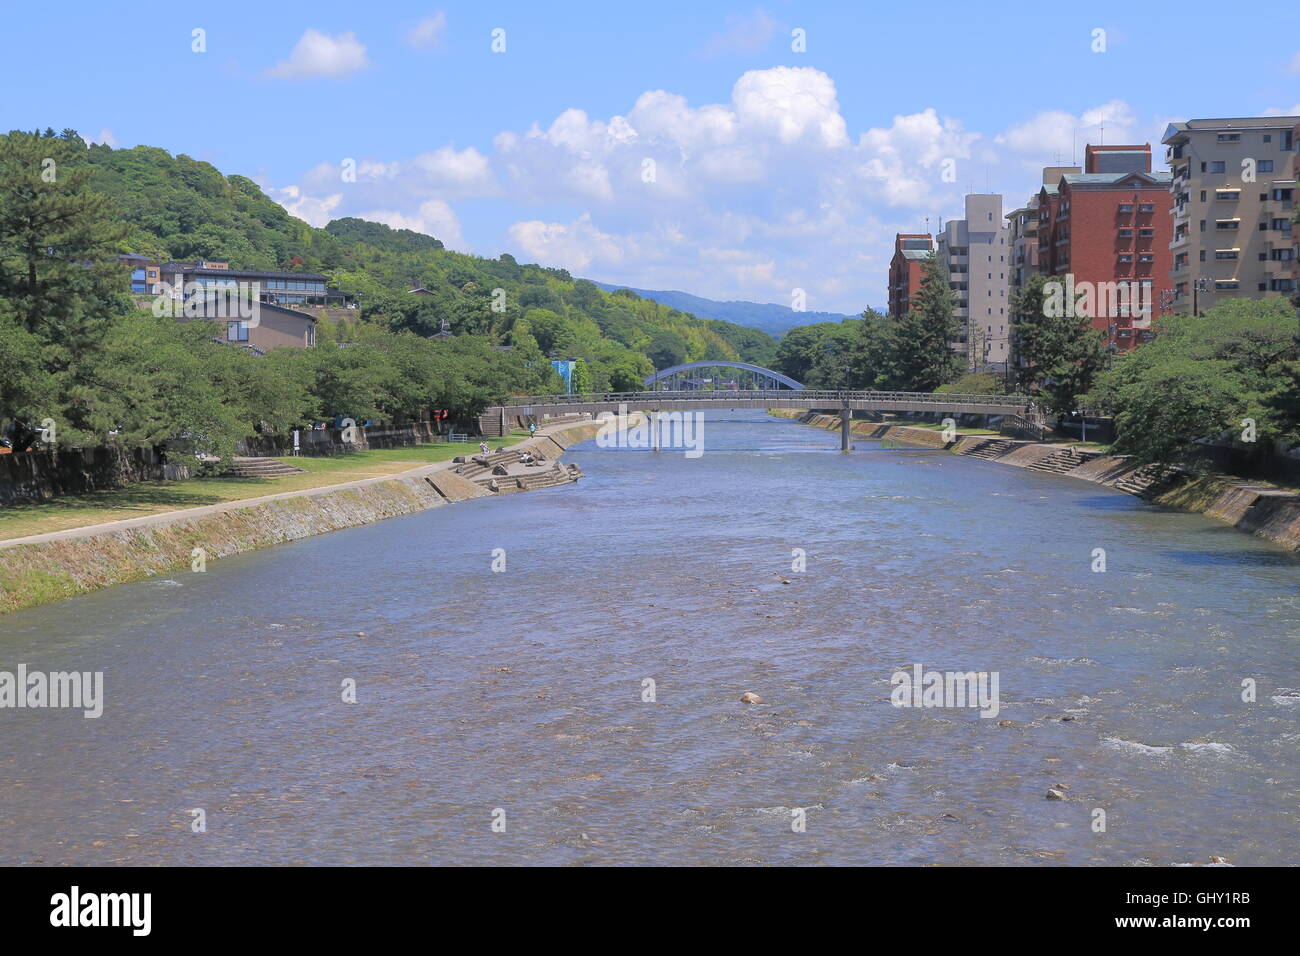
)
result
[(767, 317)]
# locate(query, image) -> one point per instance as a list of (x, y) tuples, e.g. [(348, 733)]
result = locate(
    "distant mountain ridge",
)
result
[(767, 317)]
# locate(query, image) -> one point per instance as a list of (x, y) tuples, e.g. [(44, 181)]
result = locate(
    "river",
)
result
[(519, 695)]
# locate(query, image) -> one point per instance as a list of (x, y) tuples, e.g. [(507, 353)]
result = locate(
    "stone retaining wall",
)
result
[(1258, 509), (32, 574)]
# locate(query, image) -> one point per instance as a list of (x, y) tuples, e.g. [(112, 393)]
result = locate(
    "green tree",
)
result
[(1059, 353), (1201, 378), (921, 355), (60, 281)]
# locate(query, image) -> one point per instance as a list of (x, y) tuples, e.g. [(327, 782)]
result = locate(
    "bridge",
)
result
[(845, 402), (757, 371)]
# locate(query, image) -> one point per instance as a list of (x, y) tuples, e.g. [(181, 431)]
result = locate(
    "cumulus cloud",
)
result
[(572, 246), (747, 198), (428, 33), (318, 54), (105, 138)]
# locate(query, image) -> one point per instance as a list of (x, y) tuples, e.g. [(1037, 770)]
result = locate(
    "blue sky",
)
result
[(772, 169)]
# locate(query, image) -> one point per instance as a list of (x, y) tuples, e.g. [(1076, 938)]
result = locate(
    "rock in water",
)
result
[(748, 697), (1055, 794)]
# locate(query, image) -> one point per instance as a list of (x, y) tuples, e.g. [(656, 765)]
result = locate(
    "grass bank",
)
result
[(157, 497)]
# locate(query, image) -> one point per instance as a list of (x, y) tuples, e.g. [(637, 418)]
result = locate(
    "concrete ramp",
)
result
[(453, 487)]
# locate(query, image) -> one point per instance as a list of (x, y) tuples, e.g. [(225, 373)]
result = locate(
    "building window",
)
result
[(1147, 207), (1218, 166), (1126, 233), (1227, 223), (1226, 284), (1230, 137), (1125, 257), (1125, 208), (1264, 166), (1227, 194), (1146, 233), (236, 331), (1226, 253)]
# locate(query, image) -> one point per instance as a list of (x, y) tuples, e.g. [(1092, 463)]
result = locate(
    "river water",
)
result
[(523, 690)]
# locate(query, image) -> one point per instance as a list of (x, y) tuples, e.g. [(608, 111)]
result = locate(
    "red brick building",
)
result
[(1109, 228), (910, 250)]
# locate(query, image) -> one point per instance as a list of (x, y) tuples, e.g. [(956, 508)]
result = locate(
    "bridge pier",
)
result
[(846, 418)]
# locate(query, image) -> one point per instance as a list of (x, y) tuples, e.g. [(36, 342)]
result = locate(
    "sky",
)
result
[(731, 150)]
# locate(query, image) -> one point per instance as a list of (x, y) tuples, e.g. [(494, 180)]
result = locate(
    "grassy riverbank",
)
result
[(156, 497)]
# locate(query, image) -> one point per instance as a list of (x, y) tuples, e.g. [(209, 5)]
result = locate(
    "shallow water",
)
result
[(522, 690)]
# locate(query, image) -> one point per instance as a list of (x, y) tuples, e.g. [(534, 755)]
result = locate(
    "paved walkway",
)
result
[(185, 514)]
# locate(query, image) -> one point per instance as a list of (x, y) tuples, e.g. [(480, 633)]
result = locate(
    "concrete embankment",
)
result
[(63, 564), (1248, 506)]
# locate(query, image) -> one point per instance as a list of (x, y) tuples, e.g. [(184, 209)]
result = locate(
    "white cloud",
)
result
[(318, 54), (105, 138), (434, 218), (315, 210), (747, 33), (428, 34), (748, 198), (1052, 137), (574, 246), (1294, 65)]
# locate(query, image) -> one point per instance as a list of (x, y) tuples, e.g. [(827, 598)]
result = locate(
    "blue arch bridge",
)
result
[(780, 391)]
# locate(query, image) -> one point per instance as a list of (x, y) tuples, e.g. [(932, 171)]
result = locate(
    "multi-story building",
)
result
[(1233, 190), (1295, 232), (974, 253), (910, 250), (1108, 228), (1022, 245)]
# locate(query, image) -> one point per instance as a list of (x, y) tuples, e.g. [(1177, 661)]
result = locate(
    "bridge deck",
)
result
[(595, 403)]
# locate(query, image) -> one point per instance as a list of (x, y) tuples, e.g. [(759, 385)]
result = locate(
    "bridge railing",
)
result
[(830, 399)]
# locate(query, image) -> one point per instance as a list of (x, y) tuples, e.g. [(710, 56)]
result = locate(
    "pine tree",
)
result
[(922, 356)]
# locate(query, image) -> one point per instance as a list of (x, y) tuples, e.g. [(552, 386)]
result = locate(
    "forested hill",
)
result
[(178, 207), (767, 317)]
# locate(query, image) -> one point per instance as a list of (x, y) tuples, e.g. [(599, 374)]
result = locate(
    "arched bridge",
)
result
[(757, 371), (538, 406)]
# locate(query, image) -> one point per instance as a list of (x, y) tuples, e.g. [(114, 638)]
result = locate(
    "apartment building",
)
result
[(1233, 192), (910, 250), (974, 252), (1108, 228), (1022, 232), (1022, 245)]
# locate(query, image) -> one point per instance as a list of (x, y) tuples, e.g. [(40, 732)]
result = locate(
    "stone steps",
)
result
[(991, 448), (260, 468), (551, 477), (1059, 462), (1146, 480)]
